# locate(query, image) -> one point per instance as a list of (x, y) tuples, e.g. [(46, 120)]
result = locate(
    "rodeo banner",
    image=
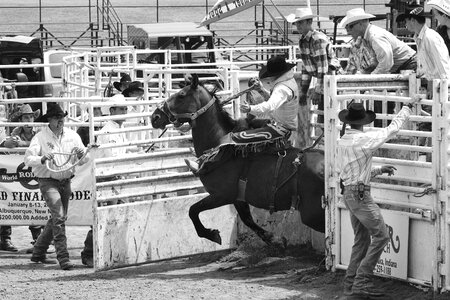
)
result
[(21, 201)]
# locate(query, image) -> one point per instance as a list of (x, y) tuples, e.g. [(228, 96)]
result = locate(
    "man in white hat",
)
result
[(441, 11), (433, 61), (392, 54), (317, 56)]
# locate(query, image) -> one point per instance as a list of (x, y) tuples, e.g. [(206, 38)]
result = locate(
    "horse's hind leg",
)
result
[(206, 203), (243, 210)]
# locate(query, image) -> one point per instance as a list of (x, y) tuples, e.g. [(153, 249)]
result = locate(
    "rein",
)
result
[(174, 117)]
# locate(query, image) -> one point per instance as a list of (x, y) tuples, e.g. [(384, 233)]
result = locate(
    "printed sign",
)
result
[(394, 259), (21, 201), (226, 8)]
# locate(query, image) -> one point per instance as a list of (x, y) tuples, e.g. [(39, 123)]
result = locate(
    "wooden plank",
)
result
[(119, 189), (153, 230)]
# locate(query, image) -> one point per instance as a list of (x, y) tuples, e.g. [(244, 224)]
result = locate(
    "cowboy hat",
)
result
[(441, 5), (416, 12), (124, 79), (134, 86), (300, 14), (354, 15), (117, 98), (53, 110), (276, 66), (25, 110), (356, 114)]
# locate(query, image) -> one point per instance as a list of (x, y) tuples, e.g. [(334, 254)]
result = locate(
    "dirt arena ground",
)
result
[(250, 272)]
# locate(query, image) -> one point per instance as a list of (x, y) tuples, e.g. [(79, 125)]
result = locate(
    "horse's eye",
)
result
[(182, 93)]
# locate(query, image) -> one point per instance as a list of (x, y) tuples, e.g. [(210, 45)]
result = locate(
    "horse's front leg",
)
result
[(206, 203), (243, 210)]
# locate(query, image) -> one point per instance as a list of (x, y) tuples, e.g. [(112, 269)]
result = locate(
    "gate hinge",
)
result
[(324, 201), (442, 266)]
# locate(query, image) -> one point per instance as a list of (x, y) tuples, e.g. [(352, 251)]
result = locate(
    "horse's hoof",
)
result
[(215, 236)]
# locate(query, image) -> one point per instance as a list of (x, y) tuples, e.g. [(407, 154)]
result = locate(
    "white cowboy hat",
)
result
[(300, 14), (117, 98), (354, 15), (441, 5)]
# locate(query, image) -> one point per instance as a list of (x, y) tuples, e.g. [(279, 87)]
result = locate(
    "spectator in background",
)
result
[(433, 61), (392, 54), (20, 137), (317, 56), (124, 82), (441, 11)]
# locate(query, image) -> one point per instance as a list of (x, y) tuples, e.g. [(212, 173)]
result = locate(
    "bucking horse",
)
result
[(274, 180)]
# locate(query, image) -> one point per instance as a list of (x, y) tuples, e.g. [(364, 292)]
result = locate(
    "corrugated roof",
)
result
[(172, 29)]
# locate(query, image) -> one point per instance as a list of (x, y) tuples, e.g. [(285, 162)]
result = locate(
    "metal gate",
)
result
[(414, 202)]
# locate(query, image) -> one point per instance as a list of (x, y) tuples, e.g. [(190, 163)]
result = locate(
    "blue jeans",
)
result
[(371, 237), (56, 194)]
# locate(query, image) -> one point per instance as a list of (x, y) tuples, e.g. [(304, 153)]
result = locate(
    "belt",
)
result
[(60, 180), (355, 187)]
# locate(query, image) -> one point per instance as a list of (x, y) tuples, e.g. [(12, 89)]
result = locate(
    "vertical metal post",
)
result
[(157, 11)]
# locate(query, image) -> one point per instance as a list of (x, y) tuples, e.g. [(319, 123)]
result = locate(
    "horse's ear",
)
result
[(194, 81)]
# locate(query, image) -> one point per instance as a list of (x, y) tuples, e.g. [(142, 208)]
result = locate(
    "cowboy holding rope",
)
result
[(51, 147)]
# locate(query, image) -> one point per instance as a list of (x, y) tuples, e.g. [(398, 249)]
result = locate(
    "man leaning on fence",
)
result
[(354, 155), (318, 58), (52, 144)]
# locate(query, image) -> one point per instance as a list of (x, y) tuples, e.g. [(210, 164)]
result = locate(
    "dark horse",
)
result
[(199, 107)]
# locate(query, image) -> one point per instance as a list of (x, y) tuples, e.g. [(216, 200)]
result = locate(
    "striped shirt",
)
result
[(355, 149), (317, 57), (45, 142), (433, 61)]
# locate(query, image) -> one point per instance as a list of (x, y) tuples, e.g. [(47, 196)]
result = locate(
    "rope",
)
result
[(59, 170), (426, 191)]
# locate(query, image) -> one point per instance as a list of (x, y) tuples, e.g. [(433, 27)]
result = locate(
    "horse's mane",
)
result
[(230, 123)]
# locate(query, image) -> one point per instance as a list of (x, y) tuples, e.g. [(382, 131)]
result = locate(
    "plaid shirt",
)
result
[(317, 57), (362, 58), (355, 150)]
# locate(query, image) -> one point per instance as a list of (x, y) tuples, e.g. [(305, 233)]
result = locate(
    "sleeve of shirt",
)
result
[(438, 54), (79, 144), (384, 54), (379, 137), (33, 153), (320, 57), (305, 80), (279, 96), (107, 152)]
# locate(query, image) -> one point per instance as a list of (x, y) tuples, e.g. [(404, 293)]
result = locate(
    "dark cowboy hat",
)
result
[(356, 114), (413, 12), (53, 110), (25, 110), (125, 78), (276, 66), (134, 86)]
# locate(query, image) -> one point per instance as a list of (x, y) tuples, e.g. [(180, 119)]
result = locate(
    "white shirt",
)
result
[(355, 149), (433, 61), (390, 51), (45, 142), (112, 138), (282, 105)]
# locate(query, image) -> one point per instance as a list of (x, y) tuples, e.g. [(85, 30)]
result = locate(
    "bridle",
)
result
[(174, 118)]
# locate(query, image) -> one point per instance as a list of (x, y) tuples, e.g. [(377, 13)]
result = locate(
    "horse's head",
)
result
[(185, 106)]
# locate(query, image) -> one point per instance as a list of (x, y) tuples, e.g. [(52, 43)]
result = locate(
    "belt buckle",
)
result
[(361, 189)]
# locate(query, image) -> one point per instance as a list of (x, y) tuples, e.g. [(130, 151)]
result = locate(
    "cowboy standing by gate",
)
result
[(354, 155), (48, 145)]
